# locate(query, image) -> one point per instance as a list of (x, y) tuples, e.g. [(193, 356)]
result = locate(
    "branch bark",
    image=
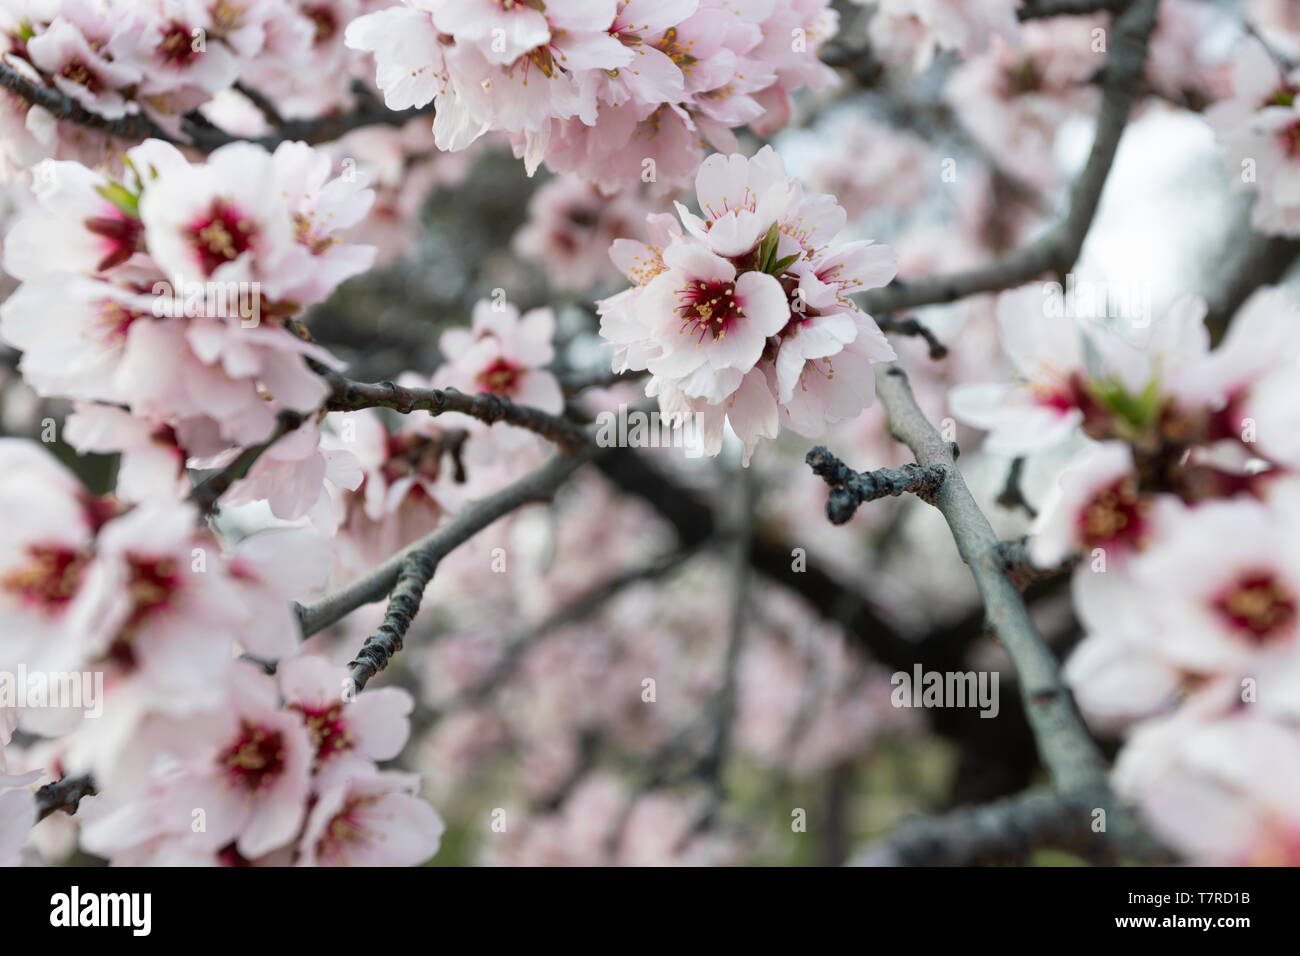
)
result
[(1058, 250), (349, 396), (537, 485), (1001, 833)]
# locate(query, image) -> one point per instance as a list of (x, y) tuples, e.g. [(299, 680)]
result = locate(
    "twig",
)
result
[(207, 492), (850, 488), (1063, 742), (403, 605), (63, 794), (1058, 249), (1000, 833), (1012, 496), (537, 485), (1013, 558), (134, 126), (313, 131), (723, 707), (576, 382), (348, 396), (1072, 759), (202, 135), (911, 326), (1039, 9), (262, 102)]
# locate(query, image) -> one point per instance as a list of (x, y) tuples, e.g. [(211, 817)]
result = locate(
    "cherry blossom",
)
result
[(373, 820), (748, 304)]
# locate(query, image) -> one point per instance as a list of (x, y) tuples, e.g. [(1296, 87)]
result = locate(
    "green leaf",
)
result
[(767, 248), (121, 197), (779, 267), (1139, 411)]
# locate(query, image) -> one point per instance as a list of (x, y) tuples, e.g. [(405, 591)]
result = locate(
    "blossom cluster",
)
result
[(237, 765), (1183, 511), (161, 59), (1259, 127), (174, 285), (743, 314), (620, 92), (914, 31)]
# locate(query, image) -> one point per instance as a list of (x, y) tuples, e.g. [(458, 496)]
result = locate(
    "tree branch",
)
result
[(204, 136), (1068, 752), (63, 794), (997, 834), (135, 126), (1072, 759), (1012, 495), (350, 396), (850, 488), (538, 485), (1058, 249), (1039, 9), (206, 493), (911, 326)]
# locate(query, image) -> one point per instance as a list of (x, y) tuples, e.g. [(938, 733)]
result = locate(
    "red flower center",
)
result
[(501, 377), (1289, 137), (330, 733), (709, 309), (176, 46), (1116, 515), (324, 20), (49, 579), (409, 454), (221, 235), (151, 585), (78, 72), (255, 760), (1258, 605)]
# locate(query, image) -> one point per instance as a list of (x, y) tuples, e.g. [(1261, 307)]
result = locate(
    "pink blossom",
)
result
[(374, 820), (748, 310), (349, 731), (503, 353)]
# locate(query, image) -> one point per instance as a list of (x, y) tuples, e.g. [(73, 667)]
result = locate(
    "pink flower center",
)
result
[(1289, 137), (344, 830), (176, 46), (330, 733), (709, 309), (677, 51), (114, 321), (501, 377), (76, 71), (324, 20), (49, 579), (1116, 515), (412, 454), (1258, 605), (151, 585), (256, 759), (221, 235)]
